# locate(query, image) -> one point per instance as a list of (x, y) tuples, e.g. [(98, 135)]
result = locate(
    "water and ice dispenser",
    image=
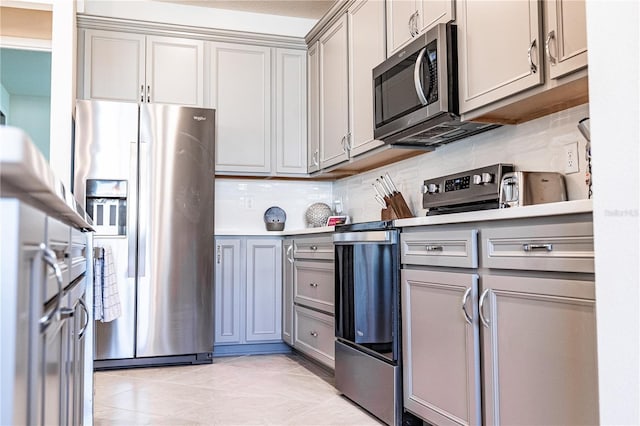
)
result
[(107, 206)]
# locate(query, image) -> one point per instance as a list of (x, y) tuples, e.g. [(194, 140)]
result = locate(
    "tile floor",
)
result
[(246, 390)]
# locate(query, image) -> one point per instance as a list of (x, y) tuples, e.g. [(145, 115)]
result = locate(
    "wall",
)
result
[(614, 90), (5, 101), (31, 113), (537, 145), (241, 203)]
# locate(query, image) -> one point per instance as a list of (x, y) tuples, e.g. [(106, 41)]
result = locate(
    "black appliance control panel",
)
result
[(475, 189)]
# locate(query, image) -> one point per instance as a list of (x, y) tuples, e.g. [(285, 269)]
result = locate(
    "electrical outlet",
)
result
[(571, 158)]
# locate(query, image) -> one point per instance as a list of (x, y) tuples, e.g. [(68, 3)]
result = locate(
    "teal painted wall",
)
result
[(5, 100), (32, 114)]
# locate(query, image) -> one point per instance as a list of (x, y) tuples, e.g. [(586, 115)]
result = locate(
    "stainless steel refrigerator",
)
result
[(146, 175)]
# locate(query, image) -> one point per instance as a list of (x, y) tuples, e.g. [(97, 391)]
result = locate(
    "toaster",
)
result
[(527, 188)]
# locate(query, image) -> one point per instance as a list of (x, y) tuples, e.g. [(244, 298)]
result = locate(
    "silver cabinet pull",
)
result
[(433, 248), (148, 93), (81, 334), (551, 35), (532, 247), (467, 318), (218, 254), (415, 23), (416, 77), (349, 141), (142, 93), (410, 24), (314, 158), (314, 248), (314, 333), (289, 254), (66, 313), (314, 285), (532, 66), (484, 320), (343, 142), (49, 257)]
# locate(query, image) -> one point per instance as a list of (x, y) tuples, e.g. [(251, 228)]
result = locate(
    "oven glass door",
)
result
[(367, 307), (409, 86)]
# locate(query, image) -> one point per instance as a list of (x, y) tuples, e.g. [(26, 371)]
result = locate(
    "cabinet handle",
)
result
[(433, 248), (148, 93), (49, 257), (81, 334), (532, 66), (484, 320), (142, 93), (532, 247), (314, 158), (218, 254), (314, 248), (314, 333), (416, 77), (551, 35), (289, 254), (66, 313), (467, 318), (415, 23), (343, 142), (410, 24), (349, 142), (314, 285)]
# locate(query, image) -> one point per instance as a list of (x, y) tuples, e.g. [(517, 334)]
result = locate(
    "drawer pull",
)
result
[(314, 248), (314, 333), (313, 285), (532, 247), (429, 247)]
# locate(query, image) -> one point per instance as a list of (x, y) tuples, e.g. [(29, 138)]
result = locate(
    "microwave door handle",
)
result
[(416, 77)]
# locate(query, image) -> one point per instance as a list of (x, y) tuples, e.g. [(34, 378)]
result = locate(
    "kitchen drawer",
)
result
[(77, 254), (320, 248), (315, 335), (566, 247), (314, 285), (456, 248)]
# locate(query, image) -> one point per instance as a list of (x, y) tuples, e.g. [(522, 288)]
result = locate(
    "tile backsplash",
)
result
[(240, 203), (538, 145)]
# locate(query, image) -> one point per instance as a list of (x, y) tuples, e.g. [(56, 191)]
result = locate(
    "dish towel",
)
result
[(106, 303)]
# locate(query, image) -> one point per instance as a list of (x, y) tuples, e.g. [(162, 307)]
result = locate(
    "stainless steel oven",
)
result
[(415, 93), (367, 319)]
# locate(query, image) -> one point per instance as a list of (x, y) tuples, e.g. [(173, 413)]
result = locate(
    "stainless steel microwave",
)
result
[(415, 93)]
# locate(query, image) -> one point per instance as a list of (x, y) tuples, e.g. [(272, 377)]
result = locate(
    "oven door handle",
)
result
[(416, 77)]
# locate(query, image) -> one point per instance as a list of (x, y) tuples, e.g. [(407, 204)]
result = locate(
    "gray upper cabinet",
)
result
[(137, 68), (334, 95), (313, 107), (539, 351), (366, 51), (228, 284), (291, 111), (566, 36), (499, 50), (239, 78), (436, 12)]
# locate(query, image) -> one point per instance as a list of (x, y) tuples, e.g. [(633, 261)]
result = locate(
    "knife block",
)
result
[(397, 208)]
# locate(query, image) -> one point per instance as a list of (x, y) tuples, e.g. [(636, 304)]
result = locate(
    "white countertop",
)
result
[(538, 210), (286, 232), (26, 175)]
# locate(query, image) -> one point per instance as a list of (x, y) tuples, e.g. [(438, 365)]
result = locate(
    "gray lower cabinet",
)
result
[(442, 380), (248, 292), (287, 292)]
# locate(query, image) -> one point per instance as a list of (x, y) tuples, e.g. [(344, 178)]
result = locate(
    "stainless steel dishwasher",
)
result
[(367, 319)]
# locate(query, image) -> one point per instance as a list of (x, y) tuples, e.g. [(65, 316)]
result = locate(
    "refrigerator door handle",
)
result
[(132, 223), (143, 206)]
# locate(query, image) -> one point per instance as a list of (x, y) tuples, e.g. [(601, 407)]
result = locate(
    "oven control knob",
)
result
[(487, 178), (477, 179), (423, 189), (432, 188)]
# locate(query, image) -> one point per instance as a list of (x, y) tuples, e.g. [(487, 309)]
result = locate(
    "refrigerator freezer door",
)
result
[(175, 264), (106, 149)]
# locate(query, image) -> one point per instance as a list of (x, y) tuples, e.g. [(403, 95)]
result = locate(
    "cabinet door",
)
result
[(399, 23), (175, 71), (539, 347), (291, 112), (313, 81), (566, 38), (441, 347), (228, 281), (264, 290), (334, 95), (114, 66), (366, 50), (240, 90), (287, 292), (499, 50), (436, 12)]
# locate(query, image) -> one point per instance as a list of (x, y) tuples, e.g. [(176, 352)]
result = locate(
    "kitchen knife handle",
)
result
[(390, 182), (467, 318), (483, 319)]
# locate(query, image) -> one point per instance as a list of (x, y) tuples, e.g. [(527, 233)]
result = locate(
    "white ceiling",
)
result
[(311, 9)]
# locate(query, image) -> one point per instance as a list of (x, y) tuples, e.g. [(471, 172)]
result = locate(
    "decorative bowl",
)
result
[(317, 215)]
